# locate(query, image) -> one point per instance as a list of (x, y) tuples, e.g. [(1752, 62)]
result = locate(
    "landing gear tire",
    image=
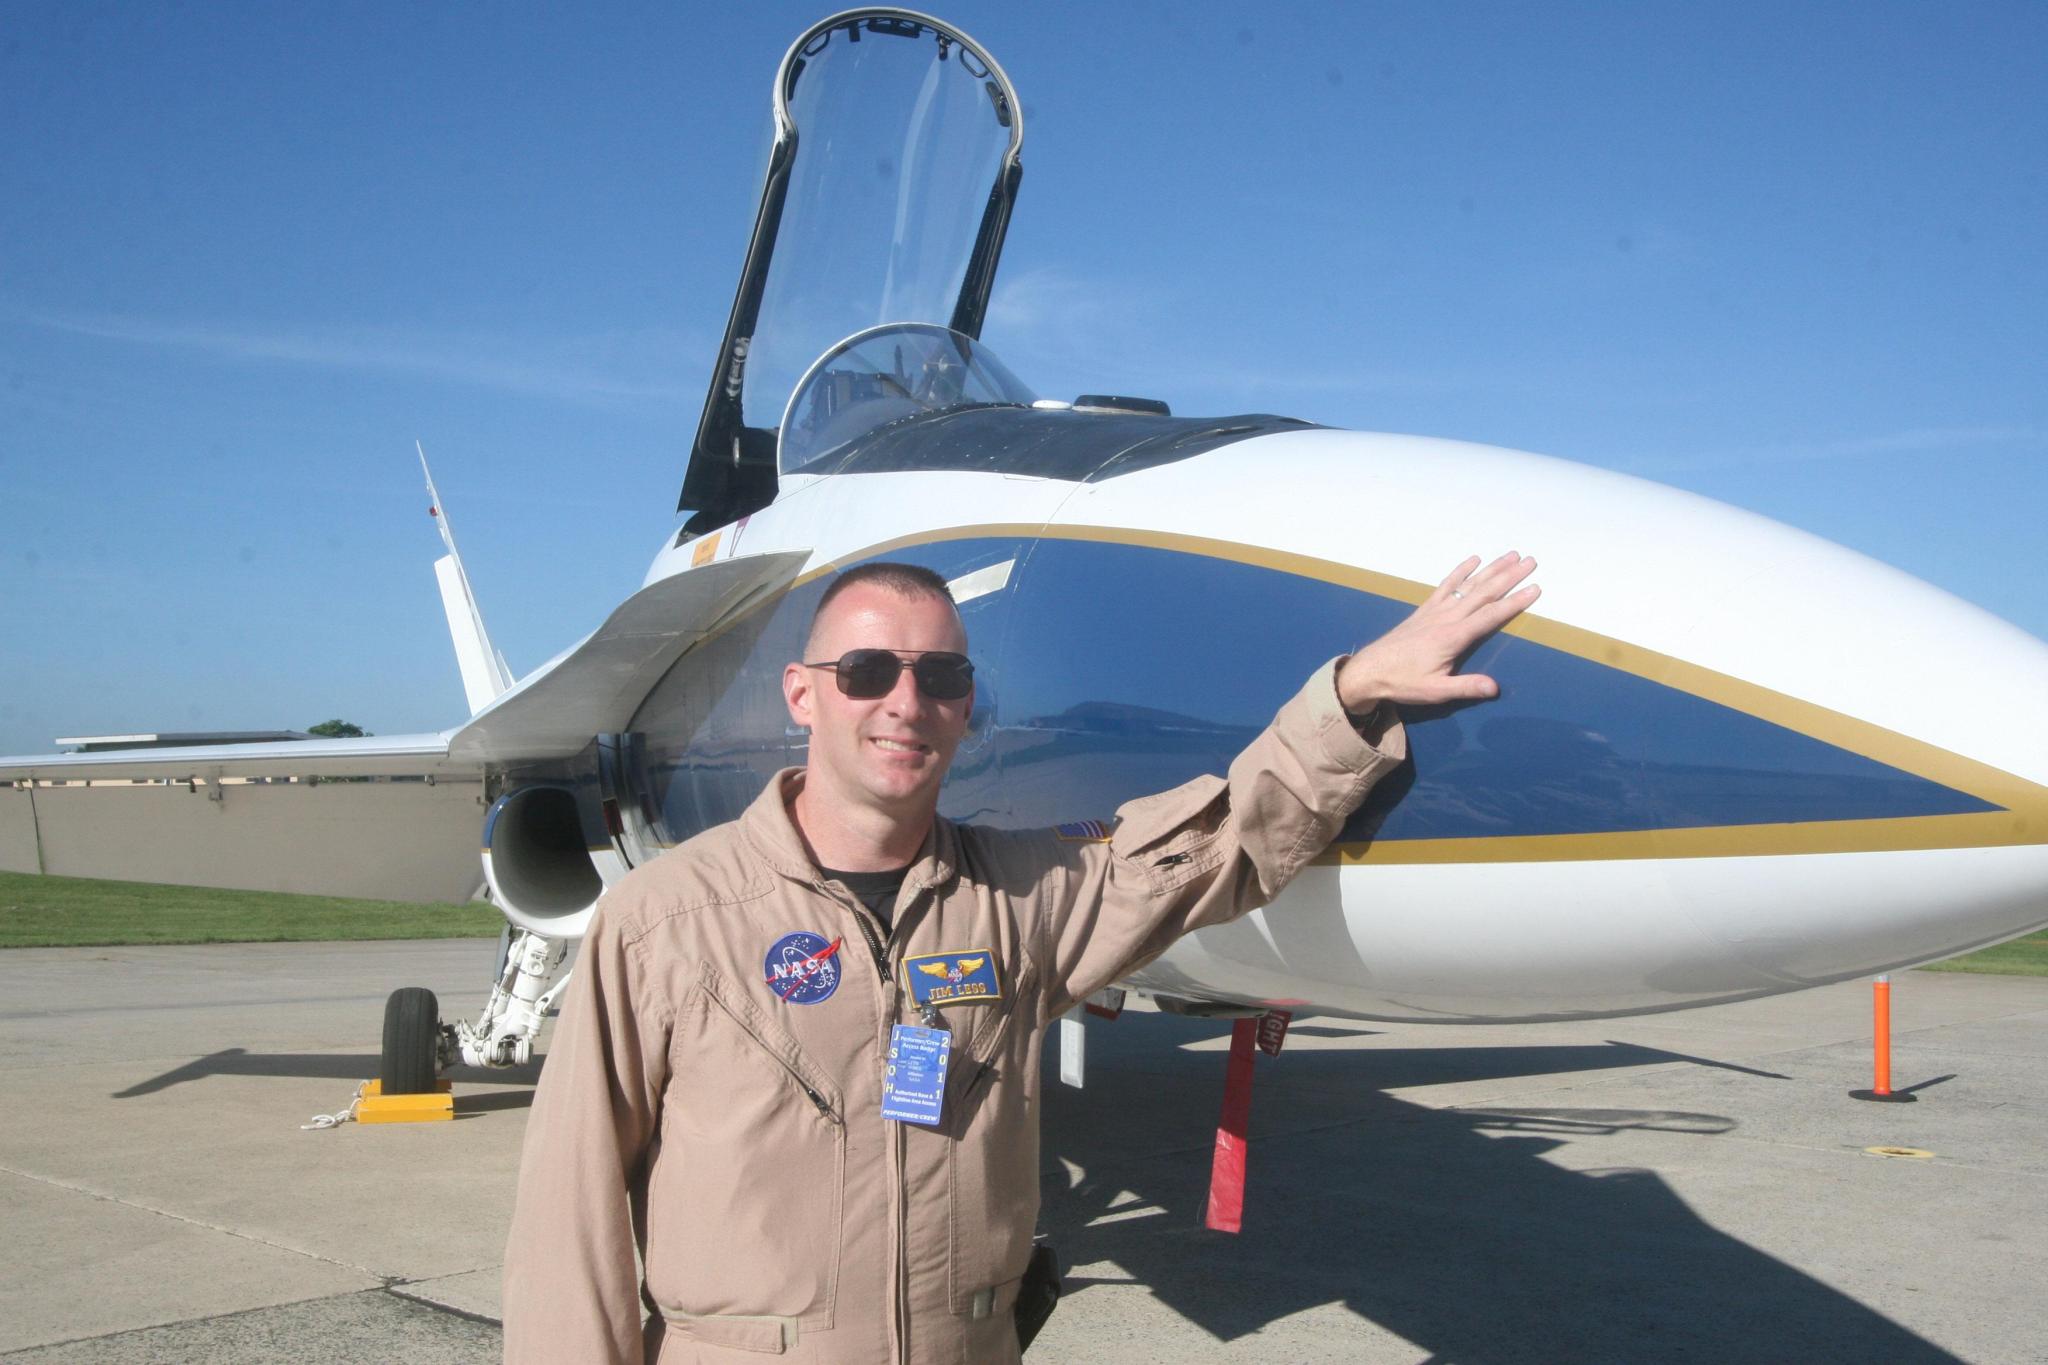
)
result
[(412, 1028)]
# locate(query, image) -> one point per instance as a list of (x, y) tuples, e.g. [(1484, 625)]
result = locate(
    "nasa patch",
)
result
[(803, 969)]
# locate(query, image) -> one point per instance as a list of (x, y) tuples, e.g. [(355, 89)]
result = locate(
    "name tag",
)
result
[(951, 978), (914, 1080)]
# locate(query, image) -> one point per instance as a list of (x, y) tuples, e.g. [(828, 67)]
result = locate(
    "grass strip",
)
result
[(2022, 957), (78, 912)]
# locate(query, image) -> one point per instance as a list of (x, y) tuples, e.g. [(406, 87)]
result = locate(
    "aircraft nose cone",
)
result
[(1729, 758)]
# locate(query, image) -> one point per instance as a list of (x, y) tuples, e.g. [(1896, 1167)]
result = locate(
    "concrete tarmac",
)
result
[(1684, 1187)]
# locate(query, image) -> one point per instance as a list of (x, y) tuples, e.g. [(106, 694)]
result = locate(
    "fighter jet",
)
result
[(1767, 764)]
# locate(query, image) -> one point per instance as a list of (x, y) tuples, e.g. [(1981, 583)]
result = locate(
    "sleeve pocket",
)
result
[(1194, 810)]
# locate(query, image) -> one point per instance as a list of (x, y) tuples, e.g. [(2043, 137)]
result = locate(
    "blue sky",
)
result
[(1789, 256)]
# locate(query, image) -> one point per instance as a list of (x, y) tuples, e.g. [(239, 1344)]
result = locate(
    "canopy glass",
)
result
[(888, 191), (889, 374)]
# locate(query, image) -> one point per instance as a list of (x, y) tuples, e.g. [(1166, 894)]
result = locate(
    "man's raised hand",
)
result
[(1414, 663)]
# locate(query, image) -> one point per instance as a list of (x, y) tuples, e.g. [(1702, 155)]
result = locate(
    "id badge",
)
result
[(914, 1081)]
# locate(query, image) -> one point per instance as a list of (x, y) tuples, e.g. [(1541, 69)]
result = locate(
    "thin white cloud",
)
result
[(1053, 326), (1912, 440), (603, 368), (1049, 300)]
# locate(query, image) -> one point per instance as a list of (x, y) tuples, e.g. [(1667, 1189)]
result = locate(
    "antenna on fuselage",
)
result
[(485, 676)]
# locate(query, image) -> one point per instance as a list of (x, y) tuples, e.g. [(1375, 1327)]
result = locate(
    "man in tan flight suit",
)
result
[(716, 1089)]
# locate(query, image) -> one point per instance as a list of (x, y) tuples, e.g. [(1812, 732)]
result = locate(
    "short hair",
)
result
[(906, 580)]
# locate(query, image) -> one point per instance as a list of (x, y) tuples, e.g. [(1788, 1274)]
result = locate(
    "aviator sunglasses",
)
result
[(865, 674)]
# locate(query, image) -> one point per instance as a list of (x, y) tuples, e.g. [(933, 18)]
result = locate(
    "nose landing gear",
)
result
[(418, 1046)]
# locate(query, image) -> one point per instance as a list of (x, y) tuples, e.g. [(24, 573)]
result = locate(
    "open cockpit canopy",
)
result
[(889, 187)]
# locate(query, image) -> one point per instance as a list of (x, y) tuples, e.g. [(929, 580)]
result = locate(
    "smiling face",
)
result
[(876, 764)]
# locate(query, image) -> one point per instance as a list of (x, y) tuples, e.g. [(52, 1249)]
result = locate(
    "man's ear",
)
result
[(796, 693)]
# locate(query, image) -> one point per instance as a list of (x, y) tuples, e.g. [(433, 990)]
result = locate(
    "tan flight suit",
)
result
[(734, 1135)]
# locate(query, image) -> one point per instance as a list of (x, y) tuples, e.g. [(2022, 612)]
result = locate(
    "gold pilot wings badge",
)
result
[(952, 978)]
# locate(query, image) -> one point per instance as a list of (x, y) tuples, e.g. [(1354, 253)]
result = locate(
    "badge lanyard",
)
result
[(914, 1077)]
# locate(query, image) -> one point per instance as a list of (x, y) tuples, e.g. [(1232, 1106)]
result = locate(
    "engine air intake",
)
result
[(538, 863)]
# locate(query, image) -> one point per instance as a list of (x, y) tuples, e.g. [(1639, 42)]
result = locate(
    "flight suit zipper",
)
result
[(875, 948), (899, 1289), (899, 1278), (864, 918)]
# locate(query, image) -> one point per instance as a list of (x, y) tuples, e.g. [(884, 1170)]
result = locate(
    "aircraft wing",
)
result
[(552, 713), (370, 756), (595, 687), (203, 815)]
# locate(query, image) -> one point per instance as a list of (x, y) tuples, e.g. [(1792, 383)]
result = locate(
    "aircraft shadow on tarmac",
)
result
[(235, 1061), (1445, 1226)]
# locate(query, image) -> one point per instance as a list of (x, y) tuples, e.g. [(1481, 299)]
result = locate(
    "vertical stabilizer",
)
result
[(484, 674)]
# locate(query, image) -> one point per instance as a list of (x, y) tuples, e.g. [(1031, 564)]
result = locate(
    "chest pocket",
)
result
[(748, 1196), (992, 1157), (773, 1040), (983, 1055)]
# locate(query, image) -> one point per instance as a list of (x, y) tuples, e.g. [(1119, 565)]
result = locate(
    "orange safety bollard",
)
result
[(1881, 1047)]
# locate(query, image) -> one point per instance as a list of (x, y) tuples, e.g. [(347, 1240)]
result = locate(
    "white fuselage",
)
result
[(1780, 628)]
